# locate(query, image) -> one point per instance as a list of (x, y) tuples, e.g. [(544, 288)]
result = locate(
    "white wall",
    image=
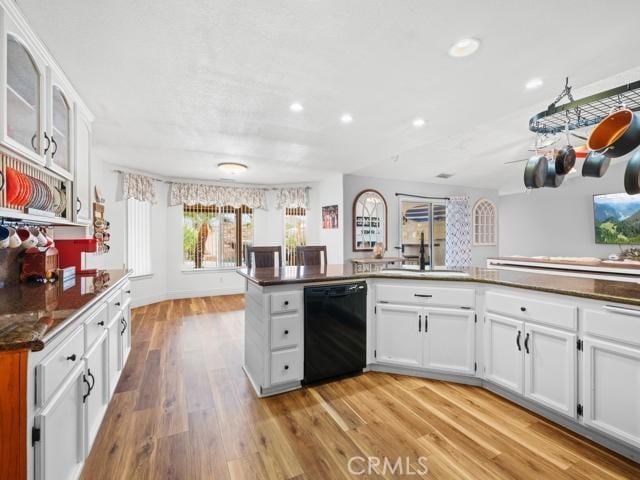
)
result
[(326, 193), (354, 184), (557, 222)]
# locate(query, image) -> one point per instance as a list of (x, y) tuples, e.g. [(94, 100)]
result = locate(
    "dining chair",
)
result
[(263, 257), (312, 255)]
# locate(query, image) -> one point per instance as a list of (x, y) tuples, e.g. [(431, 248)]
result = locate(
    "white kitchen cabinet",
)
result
[(550, 367), (59, 125), (113, 341), (504, 357), (97, 365), (611, 389), (399, 334), (82, 183), (449, 340), (59, 453), (23, 93)]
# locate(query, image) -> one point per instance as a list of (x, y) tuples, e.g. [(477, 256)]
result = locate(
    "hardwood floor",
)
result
[(185, 410)]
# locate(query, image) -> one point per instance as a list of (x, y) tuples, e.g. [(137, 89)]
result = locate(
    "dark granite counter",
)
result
[(32, 313), (594, 288)]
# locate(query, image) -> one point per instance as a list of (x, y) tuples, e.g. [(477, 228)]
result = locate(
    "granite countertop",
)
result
[(594, 288), (33, 313)]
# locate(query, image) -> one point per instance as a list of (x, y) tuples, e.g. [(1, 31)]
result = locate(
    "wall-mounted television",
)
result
[(617, 218)]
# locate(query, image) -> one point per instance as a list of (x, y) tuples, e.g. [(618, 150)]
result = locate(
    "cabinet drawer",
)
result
[(426, 295), (126, 294), (286, 366), (95, 325), (285, 331), (285, 302), (613, 323), (534, 309), (52, 371), (115, 304)]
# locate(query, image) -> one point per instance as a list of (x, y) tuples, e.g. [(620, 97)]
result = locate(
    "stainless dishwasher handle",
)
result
[(422, 295)]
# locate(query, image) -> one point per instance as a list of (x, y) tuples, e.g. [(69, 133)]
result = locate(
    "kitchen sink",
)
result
[(425, 273)]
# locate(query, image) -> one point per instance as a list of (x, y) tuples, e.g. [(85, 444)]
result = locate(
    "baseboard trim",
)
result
[(414, 372)]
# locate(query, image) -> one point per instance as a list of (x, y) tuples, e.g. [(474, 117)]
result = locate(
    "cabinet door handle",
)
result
[(419, 323), (84, 379), (526, 343), (286, 303), (523, 309), (286, 367), (421, 295), (78, 204), (101, 323), (72, 357), (46, 137), (124, 325), (93, 379), (117, 304), (426, 323), (518, 341), (53, 152), (128, 291), (286, 332)]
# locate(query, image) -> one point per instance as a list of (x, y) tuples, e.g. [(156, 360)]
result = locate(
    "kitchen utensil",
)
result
[(36, 232), (595, 165), (63, 202), (535, 171), (564, 160), (616, 135), (632, 175), (27, 190), (14, 238), (553, 179), (32, 201), (27, 238), (4, 237), (12, 186)]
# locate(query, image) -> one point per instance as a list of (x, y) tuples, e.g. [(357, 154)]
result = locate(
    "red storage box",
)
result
[(70, 253)]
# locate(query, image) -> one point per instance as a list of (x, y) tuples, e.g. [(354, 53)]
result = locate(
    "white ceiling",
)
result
[(179, 86)]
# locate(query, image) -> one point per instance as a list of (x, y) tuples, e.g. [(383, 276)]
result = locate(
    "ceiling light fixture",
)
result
[(296, 107), (232, 168), (464, 47), (418, 122), (346, 118), (533, 84)]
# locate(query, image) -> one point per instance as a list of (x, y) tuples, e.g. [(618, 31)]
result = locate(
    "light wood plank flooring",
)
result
[(185, 410)]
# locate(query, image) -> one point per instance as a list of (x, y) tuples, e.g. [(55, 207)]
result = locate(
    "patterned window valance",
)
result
[(296, 197), (140, 187), (201, 194)]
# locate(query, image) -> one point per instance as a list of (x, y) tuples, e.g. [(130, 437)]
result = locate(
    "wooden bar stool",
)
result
[(263, 257), (312, 255)]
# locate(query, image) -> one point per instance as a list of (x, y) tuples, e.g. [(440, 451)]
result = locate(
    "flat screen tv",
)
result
[(617, 218)]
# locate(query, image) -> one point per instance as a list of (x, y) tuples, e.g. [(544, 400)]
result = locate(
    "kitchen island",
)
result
[(62, 349), (565, 347)]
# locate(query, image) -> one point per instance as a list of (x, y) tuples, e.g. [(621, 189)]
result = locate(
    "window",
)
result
[(215, 237), (139, 237), (295, 233), (484, 223)]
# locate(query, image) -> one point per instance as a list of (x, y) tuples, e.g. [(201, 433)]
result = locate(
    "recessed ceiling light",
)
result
[(464, 47), (533, 84), (346, 118), (418, 122), (296, 107), (232, 168)]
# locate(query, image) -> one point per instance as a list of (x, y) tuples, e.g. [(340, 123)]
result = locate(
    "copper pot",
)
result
[(616, 135)]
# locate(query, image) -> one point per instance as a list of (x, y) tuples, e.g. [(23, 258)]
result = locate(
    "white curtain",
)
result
[(140, 187), (295, 197), (458, 253), (194, 194)]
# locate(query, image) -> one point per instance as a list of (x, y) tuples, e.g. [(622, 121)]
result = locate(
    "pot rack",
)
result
[(586, 111)]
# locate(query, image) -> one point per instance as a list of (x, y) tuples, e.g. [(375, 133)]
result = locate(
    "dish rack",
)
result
[(586, 111), (48, 185)]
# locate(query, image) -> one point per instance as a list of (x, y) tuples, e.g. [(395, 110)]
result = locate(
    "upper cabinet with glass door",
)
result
[(59, 125), (23, 75)]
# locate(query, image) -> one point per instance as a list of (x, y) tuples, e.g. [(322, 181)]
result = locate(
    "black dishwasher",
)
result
[(335, 330)]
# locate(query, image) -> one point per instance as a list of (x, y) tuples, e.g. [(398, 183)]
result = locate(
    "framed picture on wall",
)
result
[(330, 217)]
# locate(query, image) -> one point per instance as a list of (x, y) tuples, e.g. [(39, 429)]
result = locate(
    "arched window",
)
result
[(485, 222)]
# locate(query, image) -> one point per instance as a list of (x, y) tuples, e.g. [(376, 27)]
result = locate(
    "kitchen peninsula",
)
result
[(565, 347), (62, 349)]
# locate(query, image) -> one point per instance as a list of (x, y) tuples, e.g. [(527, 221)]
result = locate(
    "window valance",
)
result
[(140, 187), (295, 197), (202, 194)]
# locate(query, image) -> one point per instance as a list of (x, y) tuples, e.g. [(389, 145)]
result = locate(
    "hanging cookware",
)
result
[(564, 160), (632, 175), (616, 135), (535, 171), (553, 179), (595, 165)]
